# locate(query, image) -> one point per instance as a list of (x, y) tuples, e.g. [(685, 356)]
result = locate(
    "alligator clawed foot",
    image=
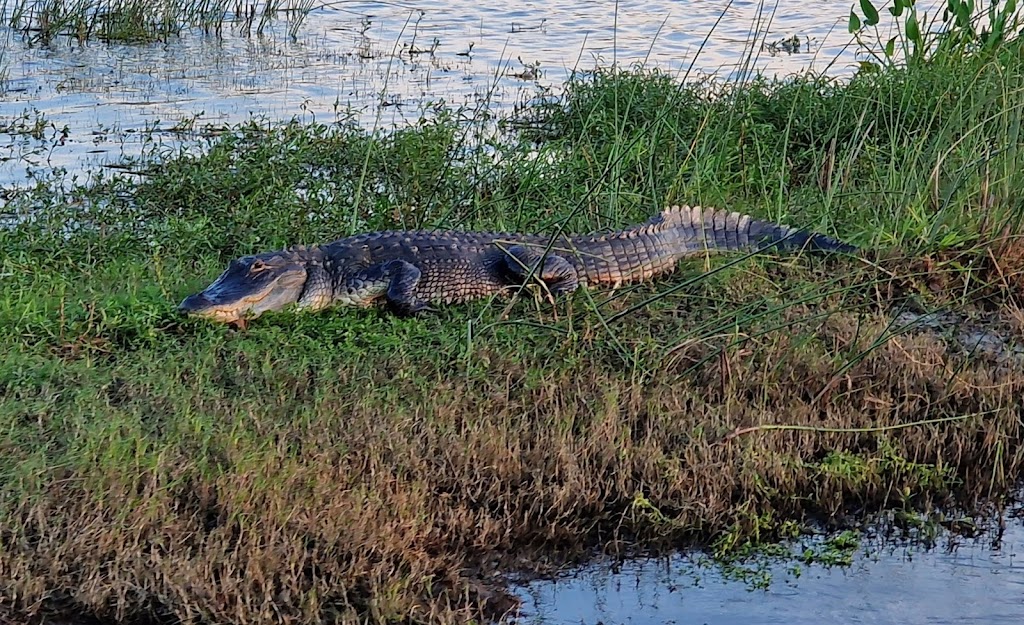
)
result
[(407, 309), (550, 297)]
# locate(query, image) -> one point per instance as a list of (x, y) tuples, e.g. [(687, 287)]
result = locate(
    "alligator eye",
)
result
[(257, 266)]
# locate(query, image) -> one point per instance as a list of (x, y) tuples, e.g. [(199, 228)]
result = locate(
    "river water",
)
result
[(978, 580), (72, 106)]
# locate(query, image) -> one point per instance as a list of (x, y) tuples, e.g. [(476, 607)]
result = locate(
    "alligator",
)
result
[(409, 270)]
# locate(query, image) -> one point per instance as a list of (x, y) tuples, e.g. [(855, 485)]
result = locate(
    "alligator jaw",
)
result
[(199, 305)]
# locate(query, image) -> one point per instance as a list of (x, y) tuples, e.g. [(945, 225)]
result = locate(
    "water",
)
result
[(381, 63), (968, 581)]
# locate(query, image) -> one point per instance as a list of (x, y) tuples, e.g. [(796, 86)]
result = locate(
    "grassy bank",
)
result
[(351, 465)]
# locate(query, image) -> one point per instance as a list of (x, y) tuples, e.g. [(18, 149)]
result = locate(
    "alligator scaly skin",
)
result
[(421, 266)]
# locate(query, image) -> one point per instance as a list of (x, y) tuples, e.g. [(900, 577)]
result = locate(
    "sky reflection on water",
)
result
[(383, 64)]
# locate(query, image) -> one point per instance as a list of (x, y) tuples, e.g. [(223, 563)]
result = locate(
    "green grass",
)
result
[(350, 465), (145, 21)]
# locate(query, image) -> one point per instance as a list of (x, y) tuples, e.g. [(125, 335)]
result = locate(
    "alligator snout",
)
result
[(194, 303)]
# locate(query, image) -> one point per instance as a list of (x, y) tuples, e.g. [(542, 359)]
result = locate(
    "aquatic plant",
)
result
[(964, 28), (3, 65), (144, 20)]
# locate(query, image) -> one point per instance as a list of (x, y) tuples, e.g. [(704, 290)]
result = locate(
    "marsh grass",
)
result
[(4, 63), (142, 21), (351, 466)]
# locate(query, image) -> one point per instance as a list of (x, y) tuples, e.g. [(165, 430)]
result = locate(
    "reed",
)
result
[(142, 21)]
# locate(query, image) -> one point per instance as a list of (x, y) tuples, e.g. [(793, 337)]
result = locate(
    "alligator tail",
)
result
[(715, 229)]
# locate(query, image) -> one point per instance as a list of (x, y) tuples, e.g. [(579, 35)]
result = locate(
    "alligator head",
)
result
[(253, 285)]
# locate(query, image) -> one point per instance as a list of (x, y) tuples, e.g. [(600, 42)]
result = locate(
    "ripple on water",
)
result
[(975, 582), (342, 59)]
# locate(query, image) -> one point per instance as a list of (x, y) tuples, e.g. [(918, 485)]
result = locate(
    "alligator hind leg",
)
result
[(557, 273)]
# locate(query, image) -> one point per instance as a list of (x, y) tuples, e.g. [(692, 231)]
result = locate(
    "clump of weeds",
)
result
[(351, 466), (146, 21)]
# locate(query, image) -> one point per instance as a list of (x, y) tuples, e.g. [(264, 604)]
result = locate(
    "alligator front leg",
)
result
[(557, 273), (395, 280)]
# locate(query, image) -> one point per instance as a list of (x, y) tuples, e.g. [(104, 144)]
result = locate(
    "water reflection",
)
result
[(383, 63), (974, 581)]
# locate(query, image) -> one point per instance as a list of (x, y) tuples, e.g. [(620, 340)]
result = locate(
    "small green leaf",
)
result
[(870, 12), (854, 22), (890, 47), (867, 67), (913, 30), (963, 15)]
